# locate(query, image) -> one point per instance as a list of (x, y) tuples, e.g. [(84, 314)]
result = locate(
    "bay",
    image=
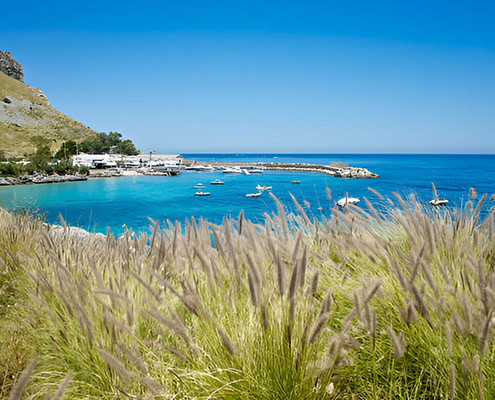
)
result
[(128, 201)]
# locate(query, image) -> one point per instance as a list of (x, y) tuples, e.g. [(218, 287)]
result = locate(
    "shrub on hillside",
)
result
[(10, 169)]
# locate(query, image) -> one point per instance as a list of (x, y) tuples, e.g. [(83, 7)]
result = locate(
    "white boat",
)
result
[(235, 170), (202, 168), (438, 202), (216, 182), (253, 194), (202, 193), (255, 171), (199, 186), (295, 182), (347, 200), (260, 188)]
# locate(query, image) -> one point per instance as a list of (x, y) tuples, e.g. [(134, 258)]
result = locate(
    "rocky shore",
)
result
[(40, 178)]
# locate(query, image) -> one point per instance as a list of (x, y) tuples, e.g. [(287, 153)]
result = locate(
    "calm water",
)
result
[(113, 202)]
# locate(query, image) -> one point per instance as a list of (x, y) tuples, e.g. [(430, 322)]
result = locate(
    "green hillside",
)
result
[(25, 112)]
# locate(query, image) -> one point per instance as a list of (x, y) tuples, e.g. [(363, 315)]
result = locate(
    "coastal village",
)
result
[(114, 165)]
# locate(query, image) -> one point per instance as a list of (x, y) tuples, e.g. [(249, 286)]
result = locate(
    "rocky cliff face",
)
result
[(11, 67)]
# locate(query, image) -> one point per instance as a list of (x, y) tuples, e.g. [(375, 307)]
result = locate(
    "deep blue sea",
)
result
[(114, 202)]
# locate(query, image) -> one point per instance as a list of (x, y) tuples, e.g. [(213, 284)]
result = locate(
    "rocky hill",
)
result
[(25, 112), (11, 67)]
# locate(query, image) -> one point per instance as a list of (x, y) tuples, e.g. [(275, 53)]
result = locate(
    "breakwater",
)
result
[(338, 170)]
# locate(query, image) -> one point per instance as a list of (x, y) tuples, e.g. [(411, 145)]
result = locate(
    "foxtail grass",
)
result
[(386, 302)]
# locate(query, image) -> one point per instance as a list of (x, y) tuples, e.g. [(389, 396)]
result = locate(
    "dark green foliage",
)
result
[(83, 170), (108, 143), (64, 167), (67, 150), (10, 169), (7, 100), (43, 162), (126, 147), (42, 155)]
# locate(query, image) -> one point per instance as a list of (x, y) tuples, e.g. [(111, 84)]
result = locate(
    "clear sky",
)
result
[(266, 76)]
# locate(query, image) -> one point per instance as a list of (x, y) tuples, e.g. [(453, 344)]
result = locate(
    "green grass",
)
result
[(396, 305)]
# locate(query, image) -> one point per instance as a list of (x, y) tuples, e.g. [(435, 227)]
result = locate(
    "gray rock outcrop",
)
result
[(40, 178), (11, 67)]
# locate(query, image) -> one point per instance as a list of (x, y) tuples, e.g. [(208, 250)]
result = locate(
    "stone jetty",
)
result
[(338, 170)]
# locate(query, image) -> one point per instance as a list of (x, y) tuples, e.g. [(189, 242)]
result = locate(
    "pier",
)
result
[(338, 170)]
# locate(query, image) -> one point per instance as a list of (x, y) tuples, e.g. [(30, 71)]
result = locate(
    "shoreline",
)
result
[(338, 170), (41, 179)]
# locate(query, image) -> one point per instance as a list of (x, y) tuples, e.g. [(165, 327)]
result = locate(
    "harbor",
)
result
[(168, 165)]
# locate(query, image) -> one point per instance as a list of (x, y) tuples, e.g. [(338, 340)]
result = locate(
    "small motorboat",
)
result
[(253, 194), (202, 193), (436, 201), (256, 171), (260, 188), (217, 182), (295, 182), (199, 186), (234, 170), (347, 200)]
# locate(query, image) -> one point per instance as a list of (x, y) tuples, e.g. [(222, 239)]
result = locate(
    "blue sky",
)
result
[(266, 76)]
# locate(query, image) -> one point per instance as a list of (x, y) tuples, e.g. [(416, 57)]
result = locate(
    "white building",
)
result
[(118, 160)]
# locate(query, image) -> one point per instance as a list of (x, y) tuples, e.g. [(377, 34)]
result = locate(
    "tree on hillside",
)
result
[(92, 145), (42, 155), (68, 149), (126, 147), (103, 143)]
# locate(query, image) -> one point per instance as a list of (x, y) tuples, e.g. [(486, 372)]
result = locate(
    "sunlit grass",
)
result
[(374, 304)]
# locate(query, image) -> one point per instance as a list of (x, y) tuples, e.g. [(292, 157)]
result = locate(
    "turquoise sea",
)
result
[(114, 202)]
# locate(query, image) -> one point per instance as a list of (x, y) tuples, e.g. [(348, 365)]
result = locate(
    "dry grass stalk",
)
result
[(253, 288), (448, 338), (416, 265), (421, 305), (314, 282), (137, 360), (21, 383), (318, 327), (376, 193), (452, 381), (116, 365), (397, 342), (303, 267), (280, 275), (231, 348), (373, 328), (293, 281), (63, 387), (173, 325), (483, 340), (176, 353)]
